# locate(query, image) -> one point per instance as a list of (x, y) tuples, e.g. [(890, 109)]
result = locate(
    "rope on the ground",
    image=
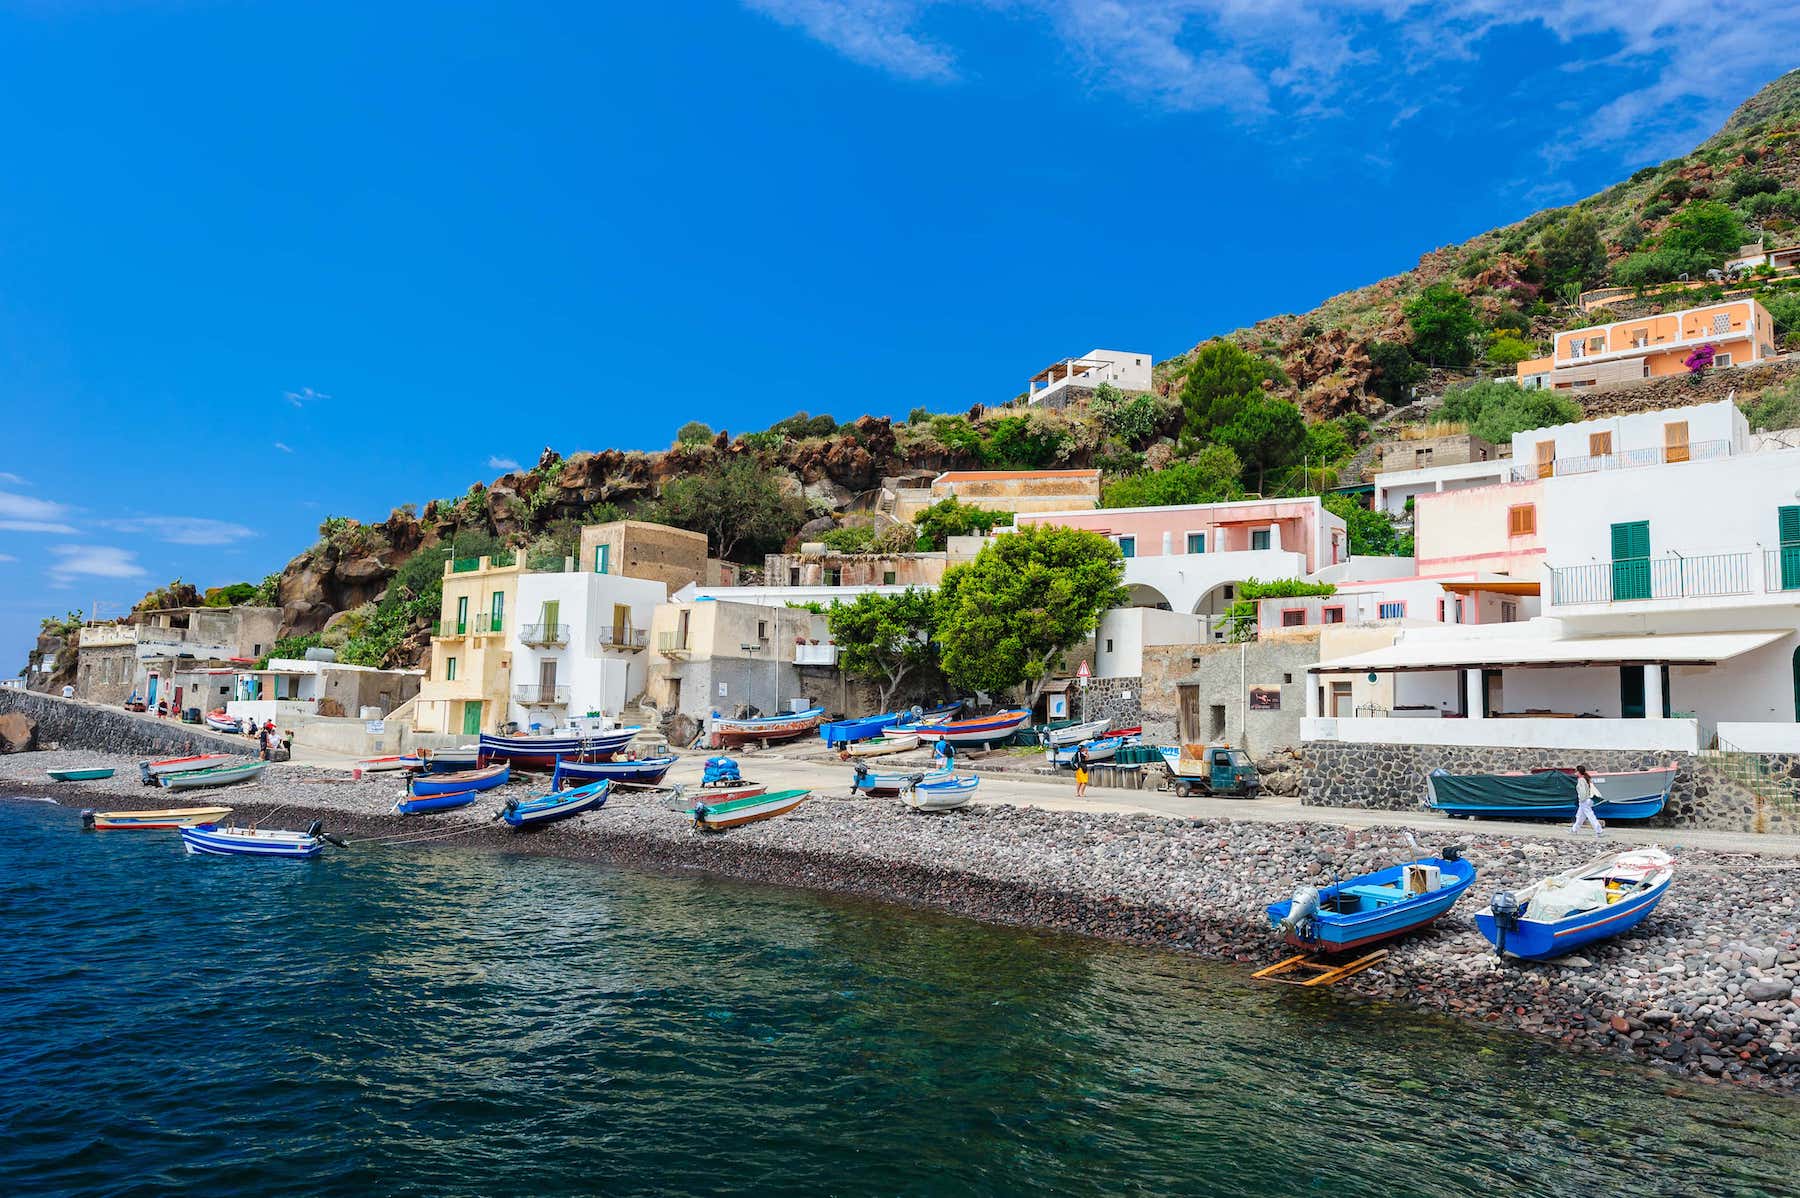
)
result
[(415, 837)]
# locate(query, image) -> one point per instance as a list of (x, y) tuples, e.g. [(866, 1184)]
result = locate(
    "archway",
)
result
[(1213, 605), (1142, 595)]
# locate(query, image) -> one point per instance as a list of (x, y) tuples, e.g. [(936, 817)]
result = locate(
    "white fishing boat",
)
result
[(884, 746), (946, 794), (218, 775), (1074, 734), (150, 771), (211, 840)]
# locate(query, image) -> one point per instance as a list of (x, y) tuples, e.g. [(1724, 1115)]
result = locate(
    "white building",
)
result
[(578, 645), (1123, 369), (1667, 435), (1394, 488)]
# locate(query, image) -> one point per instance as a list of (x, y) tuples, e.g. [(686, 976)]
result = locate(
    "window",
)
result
[(1217, 722), (1392, 611), (1259, 538), (449, 669), (499, 609), (1596, 345), (1109, 647), (602, 559), (1509, 612), (1333, 615), (1577, 348), (1228, 592), (762, 630), (793, 576), (1440, 611), (1640, 338), (1293, 617), (1521, 520), (1722, 322), (1421, 457), (1721, 359), (1459, 611), (887, 578), (833, 576), (1287, 680), (1546, 458), (1631, 560), (1196, 542), (256, 650), (1128, 546), (1600, 444)]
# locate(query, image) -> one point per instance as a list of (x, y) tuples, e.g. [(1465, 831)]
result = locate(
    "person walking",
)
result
[(1584, 803), (262, 743), (1081, 770)]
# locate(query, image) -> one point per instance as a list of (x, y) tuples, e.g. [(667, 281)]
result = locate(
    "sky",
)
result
[(264, 263)]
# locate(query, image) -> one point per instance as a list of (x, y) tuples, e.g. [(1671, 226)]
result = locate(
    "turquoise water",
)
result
[(442, 1021)]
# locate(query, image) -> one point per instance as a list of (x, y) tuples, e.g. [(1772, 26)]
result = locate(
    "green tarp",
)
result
[(1504, 790)]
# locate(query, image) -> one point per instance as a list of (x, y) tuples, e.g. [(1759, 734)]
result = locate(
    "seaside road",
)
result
[(781, 770)]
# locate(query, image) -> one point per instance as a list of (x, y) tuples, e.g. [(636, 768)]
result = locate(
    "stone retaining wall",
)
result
[(74, 725), (1392, 778), (1108, 697)]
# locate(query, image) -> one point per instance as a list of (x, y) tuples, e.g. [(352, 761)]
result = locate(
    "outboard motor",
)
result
[(1506, 909), (1452, 852), (313, 829), (1301, 910), (87, 819)]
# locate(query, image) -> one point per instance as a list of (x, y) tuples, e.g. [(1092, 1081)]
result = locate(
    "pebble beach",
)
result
[(1706, 987)]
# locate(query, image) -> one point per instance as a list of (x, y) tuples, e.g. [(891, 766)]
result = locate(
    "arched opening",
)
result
[(1148, 596), (1212, 607)]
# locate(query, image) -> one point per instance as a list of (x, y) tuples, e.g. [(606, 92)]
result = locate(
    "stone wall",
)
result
[(1681, 391), (1221, 678), (75, 725), (1392, 778), (1119, 700)]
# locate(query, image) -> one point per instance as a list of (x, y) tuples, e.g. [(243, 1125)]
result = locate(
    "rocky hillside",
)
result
[(1521, 277)]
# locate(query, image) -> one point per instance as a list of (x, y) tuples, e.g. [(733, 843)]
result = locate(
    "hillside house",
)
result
[(1123, 369), (674, 557), (468, 688), (1741, 333), (1420, 453), (580, 644)]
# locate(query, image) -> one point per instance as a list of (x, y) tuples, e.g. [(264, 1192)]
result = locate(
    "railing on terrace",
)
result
[(1655, 455), (545, 634), (452, 628), (463, 565), (1781, 569), (671, 642), (541, 696), (1674, 577), (625, 638), (487, 622)]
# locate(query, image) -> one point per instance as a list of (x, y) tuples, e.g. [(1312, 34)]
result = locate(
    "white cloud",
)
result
[(499, 463), (1304, 58), (303, 396), (22, 513), (182, 530), (284, 447), (92, 561), (11, 480), (7, 557)]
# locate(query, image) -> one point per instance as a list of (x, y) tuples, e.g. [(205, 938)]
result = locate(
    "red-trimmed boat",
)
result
[(982, 732), (761, 728)]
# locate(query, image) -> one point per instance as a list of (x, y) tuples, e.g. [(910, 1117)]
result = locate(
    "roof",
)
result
[(1497, 586), (982, 476), (1692, 648)]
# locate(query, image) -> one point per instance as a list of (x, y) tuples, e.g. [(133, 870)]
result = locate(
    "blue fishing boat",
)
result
[(1607, 896), (580, 743), (940, 794), (211, 840), (1549, 794), (1097, 750), (442, 792), (848, 732), (864, 780), (1372, 907), (558, 804), (647, 771)]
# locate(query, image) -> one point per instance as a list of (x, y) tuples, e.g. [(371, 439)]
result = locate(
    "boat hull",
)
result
[(78, 775), (1074, 734), (451, 761), (983, 732), (1538, 939), (151, 821), (545, 751), (218, 721), (645, 772), (557, 805), (886, 744), (1549, 794), (947, 795), (437, 802), (150, 771), (382, 765), (469, 782), (218, 775), (744, 732), (714, 816), (892, 783), (1097, 750), (846, 732), (1337, 932), (213, 841)]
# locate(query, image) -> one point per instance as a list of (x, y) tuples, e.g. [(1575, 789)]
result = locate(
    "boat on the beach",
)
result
[(712, 796), (211, 840), (713, 813), (941, 794), (845, 732), (558, 804), (150, 771), (984, 731), (228, 774), (864, 780), (396, 761), (1609, 895), (165, 818), (768, 727), (93, 775), (883, 745), (1097, 750), (441, 792), (218, 721), (576, 744), (450, 761), (646, 771), (1074, 734), (1549, 793), (1372, 907)]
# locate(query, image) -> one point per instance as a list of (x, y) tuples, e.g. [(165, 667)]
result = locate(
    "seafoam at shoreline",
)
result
[(1705, 988)]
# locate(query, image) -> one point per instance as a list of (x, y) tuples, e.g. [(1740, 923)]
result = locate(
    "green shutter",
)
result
[(1790, 548), (1631, 560)]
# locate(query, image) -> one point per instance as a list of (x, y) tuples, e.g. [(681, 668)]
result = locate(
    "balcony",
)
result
[(627, 638), (672, 644), (544, 634), (1712, 575), (451, 628), (541, 696), (1781, 569), (1656, 455), (486, 624), (815, 655)]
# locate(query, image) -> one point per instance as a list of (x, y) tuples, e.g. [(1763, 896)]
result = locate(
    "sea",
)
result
[(431, 1019)]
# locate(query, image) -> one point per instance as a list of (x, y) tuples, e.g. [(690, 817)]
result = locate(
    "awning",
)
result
[(1057, 686), (1507, 587), (1475, 653)]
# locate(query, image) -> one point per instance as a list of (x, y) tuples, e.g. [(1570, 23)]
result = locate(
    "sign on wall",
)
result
[(721, 690), (1265, 698), (1058, 707)]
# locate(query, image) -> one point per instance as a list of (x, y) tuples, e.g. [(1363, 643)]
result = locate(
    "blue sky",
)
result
[(263, 263)]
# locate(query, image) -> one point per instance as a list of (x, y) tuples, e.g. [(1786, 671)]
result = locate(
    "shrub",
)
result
[(1495, 410), (693, 433), (1210, 477), (1396, 371), (952, 518), (1746, 183), (1132, 419), (919, 416), (1509, 351), (1443, 323), (1573, 253), (855, 538), (1774, 408)]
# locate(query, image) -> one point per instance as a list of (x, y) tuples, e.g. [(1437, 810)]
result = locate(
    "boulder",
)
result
[(1768, 989), (18, 732)]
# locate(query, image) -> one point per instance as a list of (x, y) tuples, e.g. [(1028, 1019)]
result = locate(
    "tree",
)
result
[(693, 433), (1704, 232), (737, 505), (1006, 617), (1509, 351), (952, 518), (1397, 372), (1221, 380), (1023, 442), (1326, 443), (1372, 533), (1211, 477), (1266, 434), (1442, 322), (884, 637), (1574, 253), (1496, 409), (1132, 419)]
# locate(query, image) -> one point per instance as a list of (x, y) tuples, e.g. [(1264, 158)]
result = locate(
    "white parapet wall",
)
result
[(1760, 738), (1678, 736)]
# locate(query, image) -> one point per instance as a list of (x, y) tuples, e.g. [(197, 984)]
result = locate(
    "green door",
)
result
[(499, 611), (472, 718), (1790, 548), (1631, 560), (1631, 692), (552, 609), (462, 615), (602, 558)]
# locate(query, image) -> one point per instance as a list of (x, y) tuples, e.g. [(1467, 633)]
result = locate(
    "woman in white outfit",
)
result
[(1584, 799)]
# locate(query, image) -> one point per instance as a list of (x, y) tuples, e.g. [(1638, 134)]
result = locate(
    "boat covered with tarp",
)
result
[(1549, 793), (849, 732), (229, 774)]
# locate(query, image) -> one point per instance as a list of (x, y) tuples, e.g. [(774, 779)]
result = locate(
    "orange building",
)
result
[(1741, 332)]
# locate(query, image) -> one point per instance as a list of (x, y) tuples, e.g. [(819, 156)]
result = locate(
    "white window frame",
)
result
[(1187, 540)]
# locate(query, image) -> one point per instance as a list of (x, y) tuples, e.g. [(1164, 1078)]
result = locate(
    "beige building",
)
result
[(1425, 452), (106, 662), (468, 688), (1002, 491), (674, 557), (817, 566)]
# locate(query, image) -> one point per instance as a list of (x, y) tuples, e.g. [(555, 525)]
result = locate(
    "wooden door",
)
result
[(1600, 444), (1546, 458), (1675, 441), (621, 622)]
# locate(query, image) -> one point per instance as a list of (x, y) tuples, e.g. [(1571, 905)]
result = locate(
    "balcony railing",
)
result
[(485, 623), (1673, 577), (465, 565), (1781, 569), (671, 642), (452, 628), (541, 696), (544, 634), (625, 638), (1655, 455)]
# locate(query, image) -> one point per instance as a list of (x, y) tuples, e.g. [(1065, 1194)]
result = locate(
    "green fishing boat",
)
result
[(79, 775)]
